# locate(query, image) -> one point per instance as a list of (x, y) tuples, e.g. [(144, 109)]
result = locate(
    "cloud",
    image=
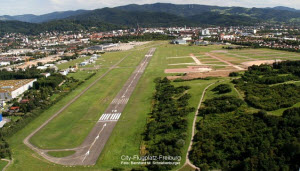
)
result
[(13, 7), (57, 2)]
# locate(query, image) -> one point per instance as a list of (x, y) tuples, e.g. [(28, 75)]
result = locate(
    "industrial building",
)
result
[(64, 72), (102, 47), (179, 41), (10, 89), (83, 63), (4, 63)]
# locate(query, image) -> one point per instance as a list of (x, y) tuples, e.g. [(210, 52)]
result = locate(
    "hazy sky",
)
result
[(15, 7)]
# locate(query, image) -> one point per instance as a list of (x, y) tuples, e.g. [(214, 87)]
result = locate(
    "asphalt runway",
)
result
[(89, 151)]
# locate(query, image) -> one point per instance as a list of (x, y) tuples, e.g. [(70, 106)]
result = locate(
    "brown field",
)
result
[(222, 62), (250, 63), (190, 69), (42, 60)]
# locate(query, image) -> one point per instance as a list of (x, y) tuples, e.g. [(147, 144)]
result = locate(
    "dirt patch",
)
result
[(208, 62), (189, 69), (217, 73), (250, 63), (224, 72), (219, 51), (42, 60), (126, 46)]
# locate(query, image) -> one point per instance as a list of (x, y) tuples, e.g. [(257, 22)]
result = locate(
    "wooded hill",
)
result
[(151, 15)]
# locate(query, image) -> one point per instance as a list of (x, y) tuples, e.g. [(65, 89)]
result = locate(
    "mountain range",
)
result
[(30, 18), (148, 15)]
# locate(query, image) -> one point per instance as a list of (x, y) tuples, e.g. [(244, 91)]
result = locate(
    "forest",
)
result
[(234, 135), (166, 129), (241, 141), (29, 73), (263, 85), (220, 105), (222, 89), (56, 25)]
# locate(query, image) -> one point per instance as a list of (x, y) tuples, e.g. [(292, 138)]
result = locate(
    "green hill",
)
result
[(150, 15)]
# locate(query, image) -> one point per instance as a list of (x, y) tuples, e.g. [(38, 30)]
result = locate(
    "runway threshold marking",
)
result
[(120, 101), (110, 117)]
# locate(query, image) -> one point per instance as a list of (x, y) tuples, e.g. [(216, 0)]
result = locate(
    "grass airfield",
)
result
[(70, 127)]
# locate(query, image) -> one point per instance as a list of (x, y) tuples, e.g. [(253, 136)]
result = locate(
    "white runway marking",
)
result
[(118, 116), (106, 116), (120, 101), (102, 117), (113, 116), (110, 117)]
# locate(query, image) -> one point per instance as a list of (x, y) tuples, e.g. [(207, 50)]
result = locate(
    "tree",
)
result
[(222, 89)]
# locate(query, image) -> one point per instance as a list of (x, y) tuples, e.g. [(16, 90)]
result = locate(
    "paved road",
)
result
[(89, 151)]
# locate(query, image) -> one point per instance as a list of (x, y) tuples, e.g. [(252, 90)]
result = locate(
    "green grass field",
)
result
[(186, 168), (214, 63), (70, 128), (81, 75), (72, 63), (239, 56), (60, 153), (208, 59), (3, 164), (180, 60), (25, 158)]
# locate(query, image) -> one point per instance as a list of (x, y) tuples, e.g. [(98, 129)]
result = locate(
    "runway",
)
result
[(89, 151)]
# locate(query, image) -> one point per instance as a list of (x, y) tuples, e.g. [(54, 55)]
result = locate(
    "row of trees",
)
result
[(257, 45), (144, 37), (220, 105), (166, 130), (222, 89), (20, 74), (4, 148), (52, 81)]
